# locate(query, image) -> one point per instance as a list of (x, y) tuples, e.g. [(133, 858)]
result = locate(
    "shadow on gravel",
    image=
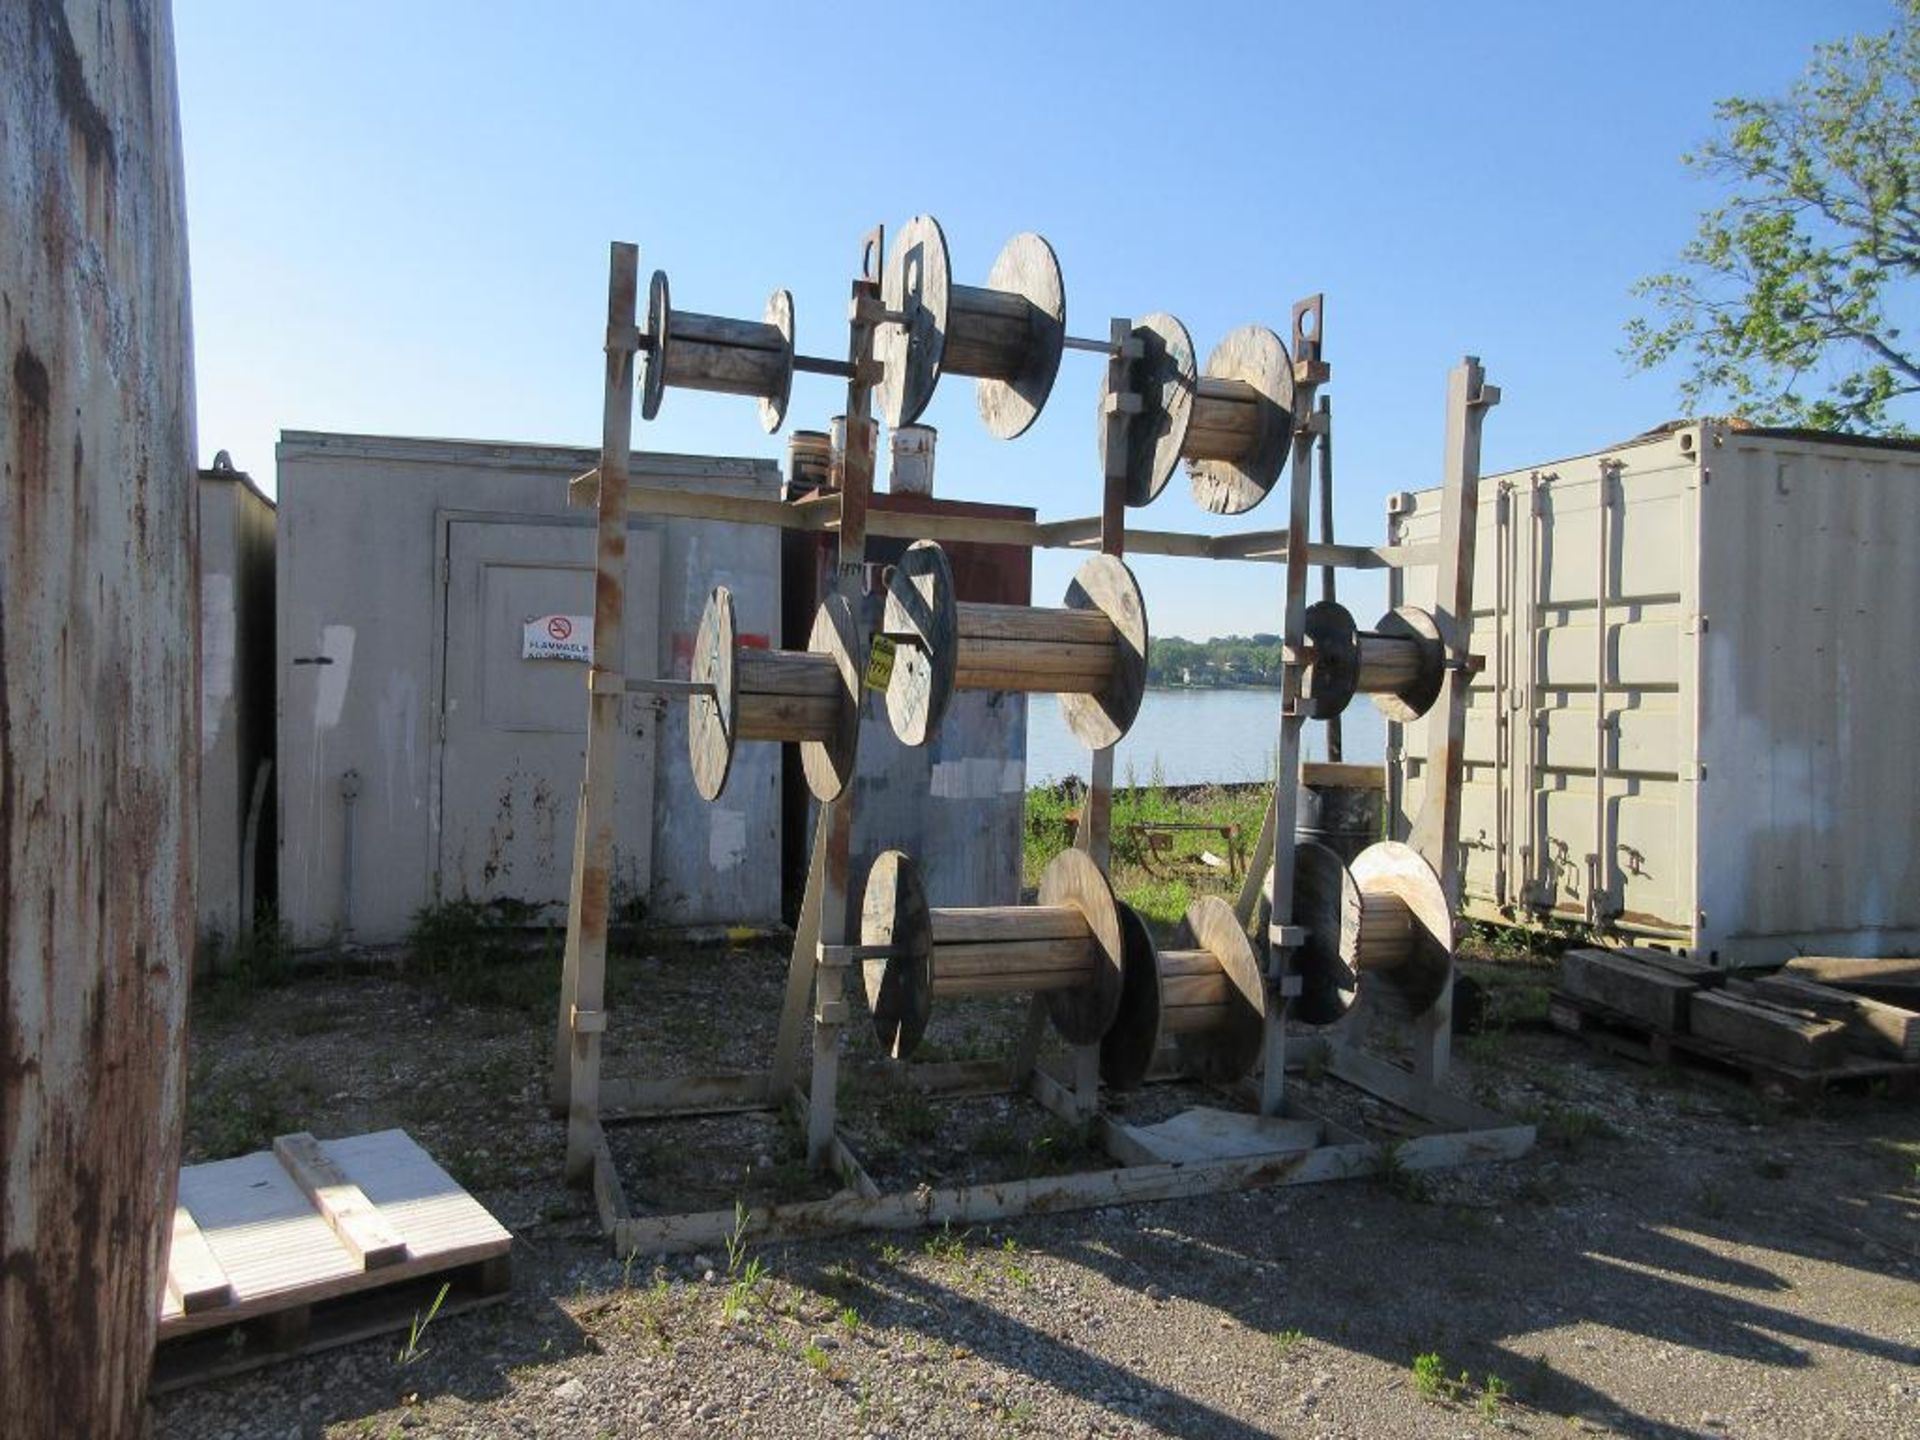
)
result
[(1635, 1242)]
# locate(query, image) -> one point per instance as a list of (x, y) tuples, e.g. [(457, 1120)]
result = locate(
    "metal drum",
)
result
[(1344, 818)]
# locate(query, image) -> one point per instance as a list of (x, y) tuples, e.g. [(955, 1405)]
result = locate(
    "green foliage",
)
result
[(1785, 298), (233, 968), (412, 1351), (1224, 661), (478, 952), (1430, 1376)]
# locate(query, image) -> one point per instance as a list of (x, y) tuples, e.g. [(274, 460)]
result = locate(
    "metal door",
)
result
[(513, 716)]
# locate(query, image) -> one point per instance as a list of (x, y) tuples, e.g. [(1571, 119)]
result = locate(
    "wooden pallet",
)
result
[(314, 1244), (1634, 1039)]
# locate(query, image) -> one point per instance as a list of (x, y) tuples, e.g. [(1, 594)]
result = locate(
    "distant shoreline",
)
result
[(1170, 685)]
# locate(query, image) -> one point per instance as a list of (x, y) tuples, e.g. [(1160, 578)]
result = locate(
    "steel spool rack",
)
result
[(1311, 941)]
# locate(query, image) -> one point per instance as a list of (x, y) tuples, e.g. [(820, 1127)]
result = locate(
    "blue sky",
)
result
[(400, 212)]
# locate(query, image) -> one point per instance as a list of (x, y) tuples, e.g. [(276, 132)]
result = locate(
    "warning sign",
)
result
[(557, 637)]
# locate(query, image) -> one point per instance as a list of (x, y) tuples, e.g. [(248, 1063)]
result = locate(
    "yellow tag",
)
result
[(880, 663)]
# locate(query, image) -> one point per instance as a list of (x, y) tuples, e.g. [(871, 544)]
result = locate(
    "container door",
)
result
[(518, 631), (1611, 638)]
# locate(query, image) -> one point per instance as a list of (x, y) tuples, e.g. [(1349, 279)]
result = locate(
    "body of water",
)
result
[(1195, 737)]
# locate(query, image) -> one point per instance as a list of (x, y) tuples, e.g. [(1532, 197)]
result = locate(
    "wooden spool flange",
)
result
[(1008, 334), (1232, 424), (1092, 653), (1406, 928), (1067, 947), (1381, 928), (810, 697), (1398, 664), (707, 352), (1206, 992)]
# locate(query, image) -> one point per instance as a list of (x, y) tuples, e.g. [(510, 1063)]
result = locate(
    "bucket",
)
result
[(912, 469)]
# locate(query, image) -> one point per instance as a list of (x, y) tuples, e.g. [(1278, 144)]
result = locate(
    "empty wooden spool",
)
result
[(1008, 334), (1068, 947), (810, 697), (1092, 652), (1398, 664), (708, 352), (1386, 919), (1206, 992), (1233, 425)]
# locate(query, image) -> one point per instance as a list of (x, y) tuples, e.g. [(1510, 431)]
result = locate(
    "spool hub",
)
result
[(1326, 903)]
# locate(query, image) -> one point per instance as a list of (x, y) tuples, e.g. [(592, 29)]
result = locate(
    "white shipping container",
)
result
[(1740, 604)]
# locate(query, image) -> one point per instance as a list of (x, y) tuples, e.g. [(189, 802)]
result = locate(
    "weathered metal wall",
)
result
[(359, 521), (1757, 794), (97, 753), (235, 547)]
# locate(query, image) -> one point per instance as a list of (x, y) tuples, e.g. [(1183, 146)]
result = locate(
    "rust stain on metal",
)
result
[(98, 757)]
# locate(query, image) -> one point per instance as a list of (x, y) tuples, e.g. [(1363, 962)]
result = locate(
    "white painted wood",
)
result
[(279, 1252)]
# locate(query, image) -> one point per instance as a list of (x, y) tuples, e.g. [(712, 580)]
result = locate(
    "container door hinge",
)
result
[(1695, 625), (1693, 772)]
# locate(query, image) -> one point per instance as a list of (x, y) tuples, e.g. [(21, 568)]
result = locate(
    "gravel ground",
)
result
[(1677, 1258)]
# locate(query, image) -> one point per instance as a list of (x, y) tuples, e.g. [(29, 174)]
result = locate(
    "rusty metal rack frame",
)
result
[(815, 1007)]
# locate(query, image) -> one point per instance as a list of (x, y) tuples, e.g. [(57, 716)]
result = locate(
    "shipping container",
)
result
[(1698, 722), (235, 537)]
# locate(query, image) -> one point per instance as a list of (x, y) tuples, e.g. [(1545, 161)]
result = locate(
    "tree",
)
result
[(1787, 297)]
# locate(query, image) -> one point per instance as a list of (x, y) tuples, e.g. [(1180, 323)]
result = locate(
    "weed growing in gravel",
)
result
[(1288, 1342), (849, 1319), (1491, 1397), (736, 1240), (412, 1351), (816, 1357), (891, 1254), (1568, 1127), (476, 952), (744, 1290), (1017, 1274), (240, 1109), (1403, 1183), (946, 1245), (1429, 1376)]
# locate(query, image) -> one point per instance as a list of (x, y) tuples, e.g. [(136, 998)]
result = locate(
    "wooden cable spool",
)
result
[(1398, 664), (1092, 652), (1385, 919), (1233, 424), (809, 697), (1067, 947), (1008, 334), (709, 352), (1206, 992)]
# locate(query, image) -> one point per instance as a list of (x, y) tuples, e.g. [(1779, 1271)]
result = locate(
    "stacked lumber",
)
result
[(1896, 982), (1810, 1017)]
